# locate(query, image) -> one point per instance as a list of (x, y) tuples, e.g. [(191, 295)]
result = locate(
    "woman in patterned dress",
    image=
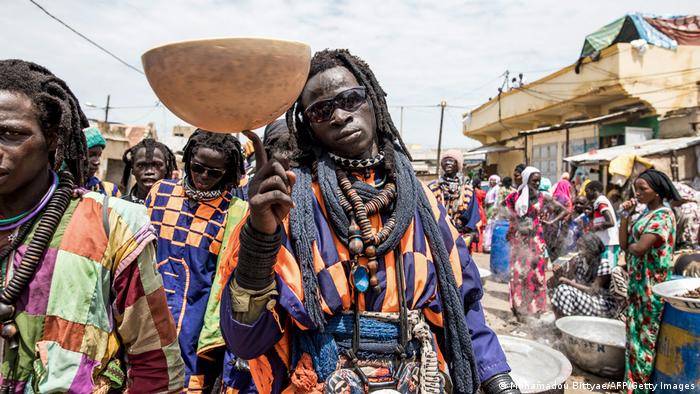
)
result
[(649, 251), (582, 286), (529, 259)]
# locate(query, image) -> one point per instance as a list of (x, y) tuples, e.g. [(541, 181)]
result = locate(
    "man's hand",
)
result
[(269, 193)]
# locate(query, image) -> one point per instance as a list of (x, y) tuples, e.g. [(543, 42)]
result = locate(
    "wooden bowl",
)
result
[(228, 84)]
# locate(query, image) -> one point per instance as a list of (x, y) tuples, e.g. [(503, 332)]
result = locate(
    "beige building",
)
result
[(628, 94), (183, 131)]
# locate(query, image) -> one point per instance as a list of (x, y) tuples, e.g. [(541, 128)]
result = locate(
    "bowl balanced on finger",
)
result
[(228, 84)]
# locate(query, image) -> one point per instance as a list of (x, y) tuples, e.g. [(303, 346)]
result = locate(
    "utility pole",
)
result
[(443, 104), (107, 110), (401, 122)]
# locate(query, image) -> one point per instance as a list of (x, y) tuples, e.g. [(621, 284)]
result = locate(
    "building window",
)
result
[(582, 145), (544, 157)]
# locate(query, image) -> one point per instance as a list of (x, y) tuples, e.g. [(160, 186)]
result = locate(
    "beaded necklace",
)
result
[(199, 195), (362, 240), (357, 163), (13, 223), (52, 212)]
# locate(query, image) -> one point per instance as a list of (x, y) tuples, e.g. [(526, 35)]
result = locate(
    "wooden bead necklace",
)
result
[(361, 239)]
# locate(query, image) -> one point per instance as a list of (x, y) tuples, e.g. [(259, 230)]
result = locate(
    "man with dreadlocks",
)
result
[(190, 217), (454, 192), (96, 143), (149, 161), (347, 275), (82, 308)]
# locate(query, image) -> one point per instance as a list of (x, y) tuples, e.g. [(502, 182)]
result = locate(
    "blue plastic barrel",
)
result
[(677, 365), (500, 251)]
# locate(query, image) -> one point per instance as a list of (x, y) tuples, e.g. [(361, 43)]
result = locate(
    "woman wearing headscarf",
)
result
[(583, 284), (491, 202), (648, 243), (562, 193), (528, 294), (557, 212), (492, 195), (477, 245)]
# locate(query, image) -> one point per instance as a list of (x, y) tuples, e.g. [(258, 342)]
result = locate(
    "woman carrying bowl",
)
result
[(648, 244)]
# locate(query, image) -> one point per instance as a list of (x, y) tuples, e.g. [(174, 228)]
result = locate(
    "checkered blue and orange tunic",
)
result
[(267, 342), (190, 234)]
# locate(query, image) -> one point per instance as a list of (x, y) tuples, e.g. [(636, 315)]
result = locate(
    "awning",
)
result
[(662, 31), (496, 148), (570, 124), (646, 148)]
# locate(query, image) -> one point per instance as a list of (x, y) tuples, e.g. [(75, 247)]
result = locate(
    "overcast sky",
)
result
[(421, 51)]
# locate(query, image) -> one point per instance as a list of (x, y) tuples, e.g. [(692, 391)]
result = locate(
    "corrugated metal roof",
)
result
[(482, 150), (646, 148)]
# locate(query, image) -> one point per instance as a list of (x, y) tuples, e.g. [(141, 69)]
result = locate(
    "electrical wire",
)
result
[(103, 49), (482, 86)]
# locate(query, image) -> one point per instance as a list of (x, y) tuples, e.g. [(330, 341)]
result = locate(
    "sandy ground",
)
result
[(500, 319)]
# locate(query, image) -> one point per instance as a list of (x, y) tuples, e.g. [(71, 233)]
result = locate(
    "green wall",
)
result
[(651, 122)]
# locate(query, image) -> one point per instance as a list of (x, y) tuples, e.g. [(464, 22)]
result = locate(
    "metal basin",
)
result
[(595, 344), (670, 291), (484, 274), (228, 84), (536, 368)]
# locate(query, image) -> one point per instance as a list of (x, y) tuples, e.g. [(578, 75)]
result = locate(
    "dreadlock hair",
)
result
[(57, 109), (220, 142), (150, 145), (387, 134)]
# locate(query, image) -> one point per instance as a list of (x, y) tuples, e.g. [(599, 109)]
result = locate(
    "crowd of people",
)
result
[(576, 253), (332, 270)]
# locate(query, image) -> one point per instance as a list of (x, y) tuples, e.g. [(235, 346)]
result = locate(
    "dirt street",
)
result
[(500, 319)]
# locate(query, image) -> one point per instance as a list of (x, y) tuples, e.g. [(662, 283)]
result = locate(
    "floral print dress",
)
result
[(528, 260), (645, 309)]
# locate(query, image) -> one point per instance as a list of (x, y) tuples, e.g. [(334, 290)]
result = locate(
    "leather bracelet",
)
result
[(501, 383), (256, 258)]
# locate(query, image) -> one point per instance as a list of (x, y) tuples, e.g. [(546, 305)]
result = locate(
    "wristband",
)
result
[(500, 384), (257, 257)]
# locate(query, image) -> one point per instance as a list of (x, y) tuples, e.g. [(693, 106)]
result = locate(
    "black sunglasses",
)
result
[(349, 100), (197, 168)]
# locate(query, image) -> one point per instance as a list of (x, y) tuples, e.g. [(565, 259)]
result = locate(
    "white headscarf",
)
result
[(492, 195), (523, 202)]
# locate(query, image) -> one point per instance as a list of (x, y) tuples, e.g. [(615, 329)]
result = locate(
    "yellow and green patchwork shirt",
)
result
[(95, 309)]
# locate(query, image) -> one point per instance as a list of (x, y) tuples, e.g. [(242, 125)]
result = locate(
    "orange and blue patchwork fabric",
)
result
[(190, 234)]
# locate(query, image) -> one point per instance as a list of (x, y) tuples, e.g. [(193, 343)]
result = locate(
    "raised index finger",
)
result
[(260, 155)]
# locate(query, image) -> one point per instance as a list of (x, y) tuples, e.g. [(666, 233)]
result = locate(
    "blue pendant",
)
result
[(360, 278)]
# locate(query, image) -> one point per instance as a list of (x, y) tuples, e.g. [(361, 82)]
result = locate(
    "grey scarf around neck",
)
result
[(411, 198)]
